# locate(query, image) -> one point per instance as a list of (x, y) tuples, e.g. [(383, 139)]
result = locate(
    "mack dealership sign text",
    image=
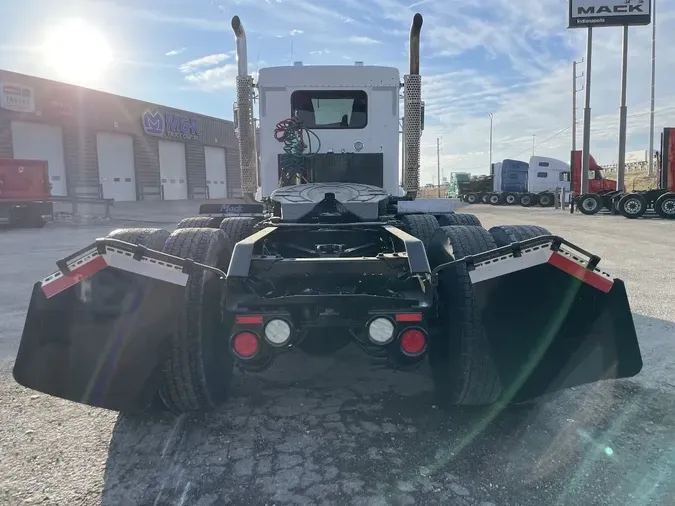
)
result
[(171, 125), (585, 13)]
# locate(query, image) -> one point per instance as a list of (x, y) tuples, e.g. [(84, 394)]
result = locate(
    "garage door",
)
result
[(172, 170), (215, 172), (116, 166), (36, 141)]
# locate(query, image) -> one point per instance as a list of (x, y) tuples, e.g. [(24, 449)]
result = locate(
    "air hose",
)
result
[(292, 134)]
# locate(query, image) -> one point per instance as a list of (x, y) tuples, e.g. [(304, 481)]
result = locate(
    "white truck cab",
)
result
[(547, 174), (348, 119), (351, 113)]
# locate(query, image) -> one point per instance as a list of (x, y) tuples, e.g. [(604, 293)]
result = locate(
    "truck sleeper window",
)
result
[(330, 108)]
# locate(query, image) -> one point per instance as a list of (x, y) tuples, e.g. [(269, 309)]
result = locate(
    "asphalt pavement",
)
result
[(343, 429)]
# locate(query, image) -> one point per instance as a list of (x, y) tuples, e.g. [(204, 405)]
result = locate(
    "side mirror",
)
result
[(422, 116)]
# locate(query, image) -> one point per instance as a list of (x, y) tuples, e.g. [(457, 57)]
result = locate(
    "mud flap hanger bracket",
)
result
[(516, 250), (139, 252)]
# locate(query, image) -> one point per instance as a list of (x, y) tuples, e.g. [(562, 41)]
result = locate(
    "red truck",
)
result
[(25, 198), (631, 204)]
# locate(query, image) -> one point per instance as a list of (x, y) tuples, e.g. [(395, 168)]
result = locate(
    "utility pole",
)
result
[(574, 101), (623, 113), (586, 158), (438, 164), (490, 167), (651, 111), (533, 138)]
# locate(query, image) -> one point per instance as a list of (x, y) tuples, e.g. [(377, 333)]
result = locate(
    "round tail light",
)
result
[(277, 332), (381, 330), (245, 344), (413, 342)]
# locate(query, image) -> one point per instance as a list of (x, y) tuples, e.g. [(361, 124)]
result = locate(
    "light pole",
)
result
[(651, 111), (491, 116)]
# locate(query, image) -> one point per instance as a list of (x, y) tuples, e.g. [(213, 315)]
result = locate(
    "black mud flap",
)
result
[(553, 319), (97, 334)]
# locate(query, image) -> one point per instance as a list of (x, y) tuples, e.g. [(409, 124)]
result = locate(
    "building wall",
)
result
[(83, 112)]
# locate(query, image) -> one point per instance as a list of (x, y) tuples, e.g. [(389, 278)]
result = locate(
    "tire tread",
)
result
[(185, 384)]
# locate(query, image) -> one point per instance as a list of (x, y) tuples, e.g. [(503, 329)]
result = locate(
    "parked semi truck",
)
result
[(455, 179), (328, 250), (528, 184), (24, 193), (604, 193)]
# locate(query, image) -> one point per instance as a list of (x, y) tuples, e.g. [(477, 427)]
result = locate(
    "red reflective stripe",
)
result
[(243, 319), (409, 317), (75, 276), (580, 272)]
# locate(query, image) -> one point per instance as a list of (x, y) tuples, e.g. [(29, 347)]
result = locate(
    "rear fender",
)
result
[(554, 320), (96, 330)]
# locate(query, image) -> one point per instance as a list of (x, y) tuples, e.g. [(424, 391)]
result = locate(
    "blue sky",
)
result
[(478, 56)]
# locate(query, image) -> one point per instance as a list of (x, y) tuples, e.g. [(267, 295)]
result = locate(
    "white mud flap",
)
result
[(96, 330), (554, 320)]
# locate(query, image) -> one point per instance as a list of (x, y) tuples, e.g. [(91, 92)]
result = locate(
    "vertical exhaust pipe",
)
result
[(412, 112), (248, 159)]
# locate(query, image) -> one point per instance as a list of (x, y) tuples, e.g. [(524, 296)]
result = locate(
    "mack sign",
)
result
[(171, 125), (589, 13)]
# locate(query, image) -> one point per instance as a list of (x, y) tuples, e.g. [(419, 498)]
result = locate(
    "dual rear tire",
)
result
[(460, 354), (198, 364)]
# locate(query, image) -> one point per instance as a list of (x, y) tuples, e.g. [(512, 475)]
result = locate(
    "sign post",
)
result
[(601, 13)]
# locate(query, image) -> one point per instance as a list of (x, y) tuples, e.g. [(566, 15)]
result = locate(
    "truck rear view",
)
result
[(25, 199)]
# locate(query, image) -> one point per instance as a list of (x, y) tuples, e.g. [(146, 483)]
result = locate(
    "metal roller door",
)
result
[(173, 170), (215, 172), (116, 166), (37, 141)]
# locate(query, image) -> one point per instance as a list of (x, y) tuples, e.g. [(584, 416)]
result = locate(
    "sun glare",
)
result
[(77, 51)]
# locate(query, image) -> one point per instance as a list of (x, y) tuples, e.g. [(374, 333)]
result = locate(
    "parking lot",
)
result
[(343, 429)]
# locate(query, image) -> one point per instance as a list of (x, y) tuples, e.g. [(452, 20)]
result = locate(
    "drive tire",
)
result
[(472, 198), (546, 200), (460, 357), (665, 206), (484, 198), (504, 235), (451, 220), (153, 238), (632, 206), (237, 228), (589, 204), (421, 226), (494, 199), (510, 199), (198, 370), (528, 200), (199, 222)]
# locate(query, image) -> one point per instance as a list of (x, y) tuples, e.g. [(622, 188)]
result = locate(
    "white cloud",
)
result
[(215, 79), (175, 52), (206, 61), (296, 32), (356, 39)]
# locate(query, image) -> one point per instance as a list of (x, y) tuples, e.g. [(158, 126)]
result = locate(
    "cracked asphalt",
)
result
[(343, 429)]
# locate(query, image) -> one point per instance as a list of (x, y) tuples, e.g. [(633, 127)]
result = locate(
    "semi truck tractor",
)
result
[(328, 249)]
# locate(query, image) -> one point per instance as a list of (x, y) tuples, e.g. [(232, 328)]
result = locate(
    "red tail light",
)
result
[(413, 342), (249, 319), (409, 317), (245, 344)]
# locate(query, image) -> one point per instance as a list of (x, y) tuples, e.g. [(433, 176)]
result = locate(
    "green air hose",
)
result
[(292, 133)]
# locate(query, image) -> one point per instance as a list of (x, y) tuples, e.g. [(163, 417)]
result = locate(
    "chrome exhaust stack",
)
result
[(244, 125), (412, 111)]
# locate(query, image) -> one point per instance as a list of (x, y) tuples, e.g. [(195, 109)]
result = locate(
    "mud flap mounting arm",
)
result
[(124, 256), (524, 254)]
